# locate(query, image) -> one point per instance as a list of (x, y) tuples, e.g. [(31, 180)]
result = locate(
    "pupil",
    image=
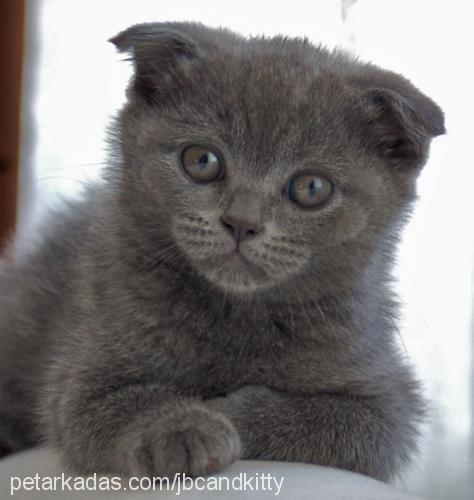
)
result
[(203, 161), (312, 188)]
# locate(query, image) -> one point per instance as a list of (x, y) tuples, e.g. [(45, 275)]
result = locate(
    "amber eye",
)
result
[(309, 190), (202, 164)]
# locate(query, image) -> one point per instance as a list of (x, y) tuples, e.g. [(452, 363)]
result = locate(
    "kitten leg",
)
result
[(373, 436), (14, 435), (137, 430)]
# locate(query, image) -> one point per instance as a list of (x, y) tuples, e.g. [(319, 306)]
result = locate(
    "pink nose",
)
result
[(240, 229)]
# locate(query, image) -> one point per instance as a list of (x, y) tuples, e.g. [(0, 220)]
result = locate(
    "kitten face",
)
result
[(243, 230), (287, 241), (263, 165)]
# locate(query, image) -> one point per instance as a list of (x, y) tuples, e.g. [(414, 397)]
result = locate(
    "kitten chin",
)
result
[(233, 272), (244, 271)]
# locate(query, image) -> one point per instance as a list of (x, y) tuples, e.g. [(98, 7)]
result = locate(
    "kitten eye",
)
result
[(309, 190), (202, 164)]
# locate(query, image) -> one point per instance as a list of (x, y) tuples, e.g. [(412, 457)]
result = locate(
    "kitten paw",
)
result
[(195, 442)]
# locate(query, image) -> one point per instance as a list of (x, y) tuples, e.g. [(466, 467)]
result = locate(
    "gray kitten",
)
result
[(226, 292)]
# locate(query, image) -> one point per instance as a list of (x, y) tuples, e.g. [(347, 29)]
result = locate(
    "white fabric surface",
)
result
[(301, 481)]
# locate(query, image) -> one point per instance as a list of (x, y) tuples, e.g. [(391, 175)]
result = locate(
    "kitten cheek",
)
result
[(348, 225)]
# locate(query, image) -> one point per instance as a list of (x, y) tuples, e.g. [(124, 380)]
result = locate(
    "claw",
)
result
[(211, 465)]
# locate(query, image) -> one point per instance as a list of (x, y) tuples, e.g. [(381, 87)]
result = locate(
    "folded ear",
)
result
[(160, 55), (398, 120), (401, 128)]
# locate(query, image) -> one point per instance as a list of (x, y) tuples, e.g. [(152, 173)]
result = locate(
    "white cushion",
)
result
[(300, 481)]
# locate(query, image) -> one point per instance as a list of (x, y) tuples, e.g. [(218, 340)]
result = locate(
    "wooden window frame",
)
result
[(12, 32)]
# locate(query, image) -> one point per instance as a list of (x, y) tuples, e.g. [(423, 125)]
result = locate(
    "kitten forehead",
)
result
[(269, 108), (278, 101)]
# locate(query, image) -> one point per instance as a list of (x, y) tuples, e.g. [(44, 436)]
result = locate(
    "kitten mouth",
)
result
[(238, 259), (236, 272)]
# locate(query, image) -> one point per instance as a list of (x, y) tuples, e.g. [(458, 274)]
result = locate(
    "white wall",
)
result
[(79, 82)]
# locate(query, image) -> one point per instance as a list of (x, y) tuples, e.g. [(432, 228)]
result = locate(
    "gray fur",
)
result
[(133, 344)]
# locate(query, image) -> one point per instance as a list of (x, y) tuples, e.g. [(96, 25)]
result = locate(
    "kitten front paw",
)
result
[(195, 442)]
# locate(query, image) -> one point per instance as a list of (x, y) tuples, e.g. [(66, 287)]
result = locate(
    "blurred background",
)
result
[(61, 82)]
